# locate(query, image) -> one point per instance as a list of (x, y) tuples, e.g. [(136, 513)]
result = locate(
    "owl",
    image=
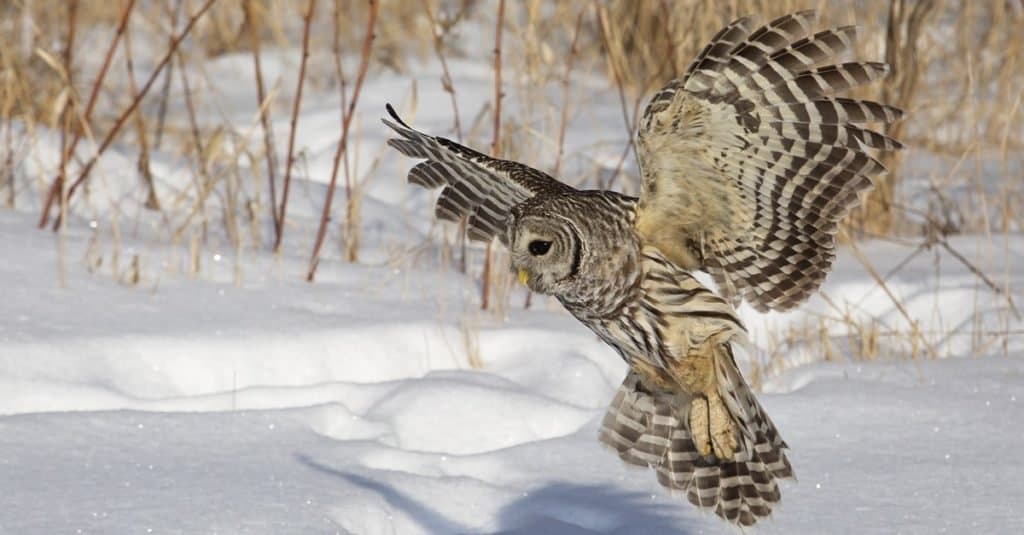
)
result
[(747, 163)]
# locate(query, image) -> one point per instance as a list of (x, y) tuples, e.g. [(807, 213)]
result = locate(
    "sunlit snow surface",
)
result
[(345, 406), (195, 405)]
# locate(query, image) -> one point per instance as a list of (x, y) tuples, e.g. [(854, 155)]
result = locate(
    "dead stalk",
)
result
[(485, 288), (564, 121), (65, 119), (58, 182), (161, 114), (351, 229), (903, 55), (616, 59), (347, 114), (496, 139), (254, 20), (914, 327), (203, 182), (8, 167), (449, 87), (981, 275), (87, 168), (290, 163), (446, 77), (603, 24), (152, 202)]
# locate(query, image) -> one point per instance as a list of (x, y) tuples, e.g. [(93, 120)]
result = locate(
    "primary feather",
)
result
[(749, 161), (476, 186)]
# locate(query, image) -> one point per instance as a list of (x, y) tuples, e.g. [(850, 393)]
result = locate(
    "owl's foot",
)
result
[(711, 427)]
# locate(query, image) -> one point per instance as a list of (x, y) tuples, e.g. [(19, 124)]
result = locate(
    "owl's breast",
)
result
[(636, 339)]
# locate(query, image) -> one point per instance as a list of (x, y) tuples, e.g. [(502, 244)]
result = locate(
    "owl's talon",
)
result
[(699, 429), (711, 427), (723, 439)]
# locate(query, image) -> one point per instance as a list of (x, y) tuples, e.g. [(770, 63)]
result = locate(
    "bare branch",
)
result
[(290, 164), (84, 174), (446, 77), (270, 155), (58, 182), (485, 288), (347, 115)]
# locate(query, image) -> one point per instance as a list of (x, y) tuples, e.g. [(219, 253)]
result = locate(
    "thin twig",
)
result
[(165, 93), (351, 231), (140, 126), (261, 96), (573, 50), (603, 24), (914, 327), (307, 22), (203, 183), (67, 112), (446, 77), (8, 167), (65, 119), (58, 182), (347, 116), (631, 123), (485, 288), (84, 174), (496, 139), (981, 275), (449, 87)]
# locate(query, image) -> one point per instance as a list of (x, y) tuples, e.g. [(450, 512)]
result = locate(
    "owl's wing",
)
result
[(749, 160), (475, 185)]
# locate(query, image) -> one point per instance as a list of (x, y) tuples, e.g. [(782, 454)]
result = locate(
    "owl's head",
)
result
[(547, 251), (550, 247), (580, 248)]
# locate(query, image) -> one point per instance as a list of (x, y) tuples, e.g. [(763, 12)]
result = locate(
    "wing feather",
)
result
[(751, 158), (476, 186)]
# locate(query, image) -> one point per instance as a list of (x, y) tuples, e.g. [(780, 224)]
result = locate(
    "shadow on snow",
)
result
[(560, 508)]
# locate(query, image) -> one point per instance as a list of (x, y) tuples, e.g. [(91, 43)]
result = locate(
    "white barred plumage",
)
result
[(748, 162)]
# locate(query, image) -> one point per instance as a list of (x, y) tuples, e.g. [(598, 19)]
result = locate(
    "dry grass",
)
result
[(959, 72)]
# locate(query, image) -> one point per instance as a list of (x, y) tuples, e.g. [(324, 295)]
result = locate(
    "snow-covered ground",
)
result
[(244, 400), (346, 406)]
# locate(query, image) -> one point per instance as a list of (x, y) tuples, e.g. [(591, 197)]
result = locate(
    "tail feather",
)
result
[(650, 428)]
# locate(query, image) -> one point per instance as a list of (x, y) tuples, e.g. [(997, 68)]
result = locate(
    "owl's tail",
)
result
[(649, 428)]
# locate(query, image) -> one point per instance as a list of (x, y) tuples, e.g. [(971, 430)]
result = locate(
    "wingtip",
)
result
[(849, 30), (808, 15), (394, 115)]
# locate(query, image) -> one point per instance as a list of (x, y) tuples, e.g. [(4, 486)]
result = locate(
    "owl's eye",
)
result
[(539, 247)]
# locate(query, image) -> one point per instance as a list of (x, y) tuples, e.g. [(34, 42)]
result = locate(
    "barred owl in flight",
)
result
[(748, 162)]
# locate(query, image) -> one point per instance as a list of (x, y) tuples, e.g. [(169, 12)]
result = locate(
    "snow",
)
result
[(242, 399), (345, 407)]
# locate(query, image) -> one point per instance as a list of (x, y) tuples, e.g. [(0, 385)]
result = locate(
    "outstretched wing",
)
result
[(749, 161), (475, 185)]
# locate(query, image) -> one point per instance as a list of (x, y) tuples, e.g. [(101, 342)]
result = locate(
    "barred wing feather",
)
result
[(750, 159), (476, 186)]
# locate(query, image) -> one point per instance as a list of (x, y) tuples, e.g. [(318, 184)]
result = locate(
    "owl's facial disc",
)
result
[(543, 251)]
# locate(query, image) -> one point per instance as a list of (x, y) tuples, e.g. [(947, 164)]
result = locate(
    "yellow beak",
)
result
[(524, 276)]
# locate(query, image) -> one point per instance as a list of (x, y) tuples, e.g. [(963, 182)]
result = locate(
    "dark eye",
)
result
[(539, 247)]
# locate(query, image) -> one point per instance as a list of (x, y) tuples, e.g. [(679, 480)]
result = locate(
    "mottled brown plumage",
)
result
[(748, 163)]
